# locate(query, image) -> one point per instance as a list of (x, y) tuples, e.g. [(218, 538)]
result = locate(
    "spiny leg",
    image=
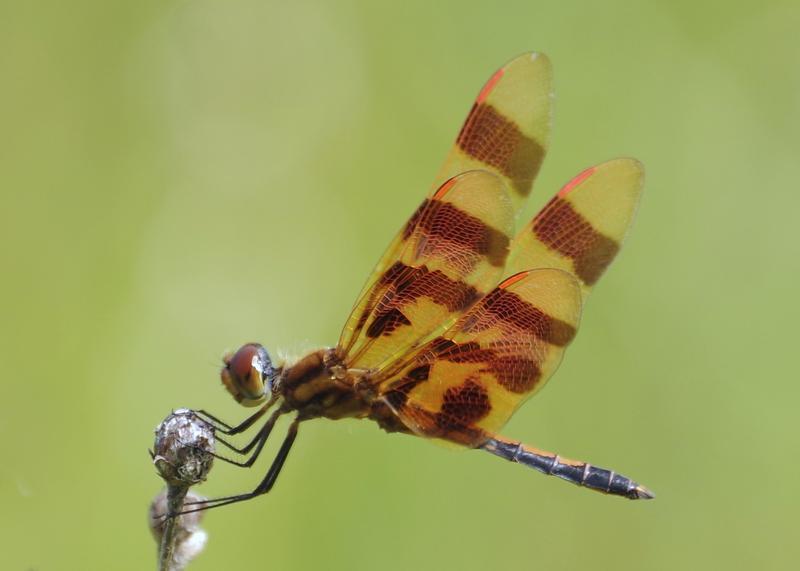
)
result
[(218, 424), (579, 473), (258, 442), (265, 485), (244, 450), (229, 430)]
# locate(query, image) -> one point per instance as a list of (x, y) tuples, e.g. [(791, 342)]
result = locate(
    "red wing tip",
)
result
[(513, 279), (570, 186), (487, 89), (642, 493), (442, 190)]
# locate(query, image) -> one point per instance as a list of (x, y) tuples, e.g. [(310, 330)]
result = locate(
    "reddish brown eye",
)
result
[(248, 374)]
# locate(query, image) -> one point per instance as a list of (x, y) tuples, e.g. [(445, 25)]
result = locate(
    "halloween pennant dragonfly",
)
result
[(461, 321)]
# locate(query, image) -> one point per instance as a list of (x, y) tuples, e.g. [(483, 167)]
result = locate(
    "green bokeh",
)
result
[(181, 177)]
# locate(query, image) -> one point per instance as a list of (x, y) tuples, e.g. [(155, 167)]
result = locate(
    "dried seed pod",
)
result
[(183, 454), (183, 449)]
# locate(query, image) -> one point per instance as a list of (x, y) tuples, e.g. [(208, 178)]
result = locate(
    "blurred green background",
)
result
[(182, 177)]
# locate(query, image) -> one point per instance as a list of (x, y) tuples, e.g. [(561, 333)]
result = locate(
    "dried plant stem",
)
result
[(166, 552), (183, 453)]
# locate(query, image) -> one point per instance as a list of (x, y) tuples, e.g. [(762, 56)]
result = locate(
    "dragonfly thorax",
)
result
[(319, 385)]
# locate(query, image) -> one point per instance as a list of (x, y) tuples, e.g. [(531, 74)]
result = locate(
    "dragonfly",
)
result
[(461, 320)]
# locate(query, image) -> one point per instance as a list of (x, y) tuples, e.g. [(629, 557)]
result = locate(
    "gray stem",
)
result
[(166, 554)]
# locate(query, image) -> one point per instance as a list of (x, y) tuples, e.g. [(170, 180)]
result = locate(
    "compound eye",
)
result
[(248, 374)]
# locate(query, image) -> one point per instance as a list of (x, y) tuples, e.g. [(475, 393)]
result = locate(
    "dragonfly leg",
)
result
[(265, 485), (226, 428), (257, 442), (209, 418)]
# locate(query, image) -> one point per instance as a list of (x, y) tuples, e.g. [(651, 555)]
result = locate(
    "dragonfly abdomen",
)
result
[(576, 472)]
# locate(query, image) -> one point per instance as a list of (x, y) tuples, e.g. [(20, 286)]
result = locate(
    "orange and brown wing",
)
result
[(407, 299), (508, 129), (468, 382), (448, 255), (582, 228)]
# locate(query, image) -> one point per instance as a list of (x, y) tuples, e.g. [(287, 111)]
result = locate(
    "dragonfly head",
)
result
[(248, 374)]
